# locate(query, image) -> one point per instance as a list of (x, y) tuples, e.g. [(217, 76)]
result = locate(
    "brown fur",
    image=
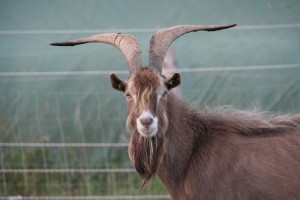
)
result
[(146, 155), (215, 153), (230, 154)]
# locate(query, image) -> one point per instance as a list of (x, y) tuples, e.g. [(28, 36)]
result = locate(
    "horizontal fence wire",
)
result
[(139, 30), (22, 144), (86, 197), (182, 70), (123, 170)]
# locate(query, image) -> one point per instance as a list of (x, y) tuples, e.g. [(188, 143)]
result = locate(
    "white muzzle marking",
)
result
[(147, 124)]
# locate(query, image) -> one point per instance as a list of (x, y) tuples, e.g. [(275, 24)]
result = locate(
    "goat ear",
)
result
[(117, 83), (173, 82)]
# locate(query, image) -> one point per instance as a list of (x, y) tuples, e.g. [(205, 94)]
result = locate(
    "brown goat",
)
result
[(201, 154)]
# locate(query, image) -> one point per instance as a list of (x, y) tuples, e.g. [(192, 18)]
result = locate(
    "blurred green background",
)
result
[(62, 127)]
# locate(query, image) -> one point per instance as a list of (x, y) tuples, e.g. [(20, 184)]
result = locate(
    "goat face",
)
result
[(146, 93)]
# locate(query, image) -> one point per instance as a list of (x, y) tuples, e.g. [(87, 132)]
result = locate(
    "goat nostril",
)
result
[(146, 121)]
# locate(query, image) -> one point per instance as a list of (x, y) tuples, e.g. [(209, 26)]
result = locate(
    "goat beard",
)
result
[(146, 155)]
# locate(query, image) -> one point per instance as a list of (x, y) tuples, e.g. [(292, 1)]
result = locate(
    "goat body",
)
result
[(229, 154)]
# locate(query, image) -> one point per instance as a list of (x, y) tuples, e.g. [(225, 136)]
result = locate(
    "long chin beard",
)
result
[(146, 155)]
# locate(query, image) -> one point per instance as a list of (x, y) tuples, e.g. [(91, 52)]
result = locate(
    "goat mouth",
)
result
[(148, 132)]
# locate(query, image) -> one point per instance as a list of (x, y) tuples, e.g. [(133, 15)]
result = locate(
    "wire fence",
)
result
[(181, 70), (138, 197), (137, 30)]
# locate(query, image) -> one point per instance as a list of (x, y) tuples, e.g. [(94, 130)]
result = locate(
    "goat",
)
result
[(201, 154)]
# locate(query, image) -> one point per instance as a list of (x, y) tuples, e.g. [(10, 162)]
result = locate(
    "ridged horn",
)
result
[(161, 41), (127, 44)]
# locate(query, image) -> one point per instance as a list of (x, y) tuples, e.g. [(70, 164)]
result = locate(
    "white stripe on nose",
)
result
[(147, 124)]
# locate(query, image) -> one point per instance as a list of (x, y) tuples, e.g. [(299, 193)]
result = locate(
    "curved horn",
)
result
[(127, 44), (161, 41)]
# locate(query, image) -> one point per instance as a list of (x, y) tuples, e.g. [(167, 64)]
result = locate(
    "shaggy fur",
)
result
[(230, 154), (218, 153)]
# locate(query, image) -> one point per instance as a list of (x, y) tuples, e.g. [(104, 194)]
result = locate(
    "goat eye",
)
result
[(128, 95), (165, 94)]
